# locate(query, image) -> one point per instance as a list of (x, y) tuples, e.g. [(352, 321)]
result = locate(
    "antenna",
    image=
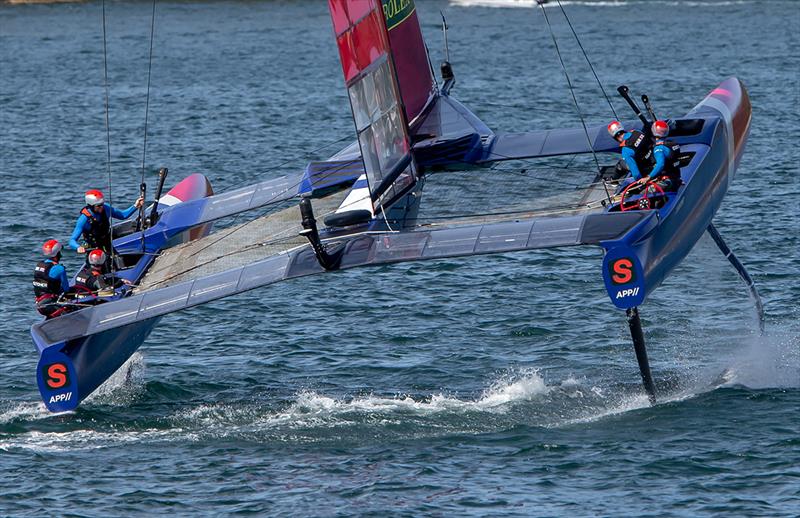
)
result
[(649, 108), (625, 93), (448, 76), (444, 33)]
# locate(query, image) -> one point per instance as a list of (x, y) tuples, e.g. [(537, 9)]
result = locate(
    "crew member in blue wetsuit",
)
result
[(94, 222), (637, 149), (50, 280), (666, 171)]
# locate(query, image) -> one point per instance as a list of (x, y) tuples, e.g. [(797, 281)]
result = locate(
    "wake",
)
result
[(517, 397)]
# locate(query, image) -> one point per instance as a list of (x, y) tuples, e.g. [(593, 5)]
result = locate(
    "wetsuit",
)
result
[(637, 150), (667, 172), (49, 282), (96, 227)]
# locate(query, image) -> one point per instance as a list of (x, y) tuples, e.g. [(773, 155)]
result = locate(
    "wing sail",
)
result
[(373, 90), (359, 250), (417, 86)]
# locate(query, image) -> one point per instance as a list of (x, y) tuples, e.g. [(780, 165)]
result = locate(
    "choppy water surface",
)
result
[(501, 385)]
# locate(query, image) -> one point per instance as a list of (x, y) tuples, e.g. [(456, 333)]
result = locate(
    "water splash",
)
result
[(519, 397), (124, 386), (81, 440), (761, 362), (26, 411), (510, 389)]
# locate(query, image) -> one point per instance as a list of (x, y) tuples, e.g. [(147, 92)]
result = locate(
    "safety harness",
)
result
[(99, 233)]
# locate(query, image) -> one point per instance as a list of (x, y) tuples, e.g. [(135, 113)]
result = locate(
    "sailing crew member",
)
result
[(666, 171), (94, 222), (94, 278), (50, 281), (637, 149)]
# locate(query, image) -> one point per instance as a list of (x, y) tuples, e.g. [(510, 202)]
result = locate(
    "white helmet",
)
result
[(94, 197), (97, 257), (660, 128), (51, 248), (615, 128)]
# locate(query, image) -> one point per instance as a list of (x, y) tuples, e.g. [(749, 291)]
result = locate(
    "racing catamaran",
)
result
[(361, 207)]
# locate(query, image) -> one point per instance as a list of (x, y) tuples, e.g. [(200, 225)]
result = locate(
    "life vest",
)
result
[(43, 286), (672, 163), (642, 147), (88, 280), (99, 233)]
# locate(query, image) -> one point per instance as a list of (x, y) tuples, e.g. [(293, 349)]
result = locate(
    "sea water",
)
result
[(493, 386)]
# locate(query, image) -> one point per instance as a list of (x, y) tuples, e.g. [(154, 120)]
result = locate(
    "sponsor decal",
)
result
[(60, 398), (621, 294), (621, 271), (396, 11), (56, 376)]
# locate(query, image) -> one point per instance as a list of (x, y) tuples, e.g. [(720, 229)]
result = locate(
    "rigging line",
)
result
[(142, 186), (523, 173), (146, 113), (571, 159), (108, 145), (286, 234), (294, 185), (533, 108), (572, 92), (292, 159), (217, 258), (147, 97), (274, 240), (616, 117), (236, 217), (231, 230), (547, 209), (281, 236)]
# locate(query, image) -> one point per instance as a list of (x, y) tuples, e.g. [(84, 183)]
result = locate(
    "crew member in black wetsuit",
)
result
[(50, 281), (93, 278)]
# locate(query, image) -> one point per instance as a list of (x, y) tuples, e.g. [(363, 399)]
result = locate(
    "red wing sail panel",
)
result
[(369, 75), (409, 54)]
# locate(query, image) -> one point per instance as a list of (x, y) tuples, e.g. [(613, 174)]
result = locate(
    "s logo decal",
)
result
[(56, 376), (622, 271)]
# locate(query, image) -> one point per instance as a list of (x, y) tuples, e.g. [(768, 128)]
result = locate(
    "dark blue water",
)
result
[(497, 386)]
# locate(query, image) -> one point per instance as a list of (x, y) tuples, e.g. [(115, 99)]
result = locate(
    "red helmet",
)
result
[(97, 257), (94, 197), (660, 128), (51, 248), (615, 128)]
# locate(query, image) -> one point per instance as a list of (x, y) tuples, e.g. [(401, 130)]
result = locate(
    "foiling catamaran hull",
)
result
[(407, 128), (79, 351), (638, 262)]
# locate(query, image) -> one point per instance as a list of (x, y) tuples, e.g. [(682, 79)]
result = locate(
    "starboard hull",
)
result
[(638, 263)]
